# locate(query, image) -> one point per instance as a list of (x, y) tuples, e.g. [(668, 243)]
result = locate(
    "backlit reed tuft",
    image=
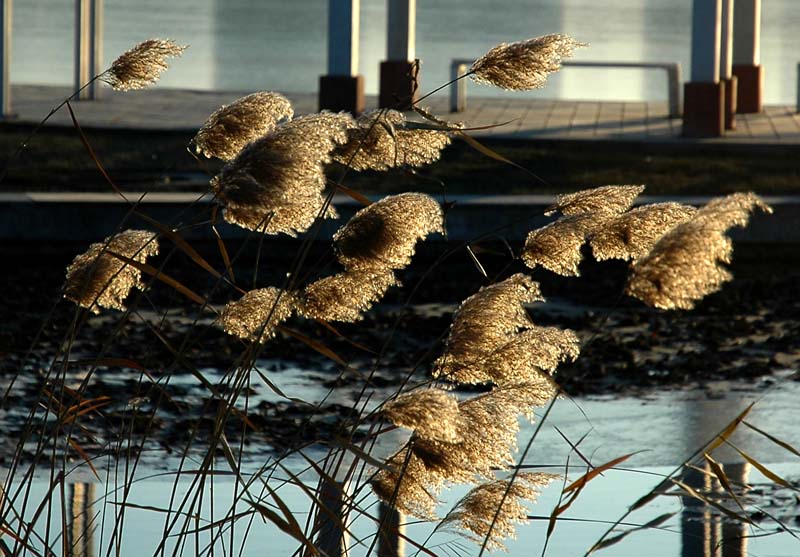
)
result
[(557, 246), (275, 183), (97, 279), (380, 142), (686, 264), (231, 127), (632, 234), (492, 510), (404, 484), (432, 414), (384, 234), (525, 64), (142, 65), (255, 315), (605, 199), (345, 296), (492, 339)]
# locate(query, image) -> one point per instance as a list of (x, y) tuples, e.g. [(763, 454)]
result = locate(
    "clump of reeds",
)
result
[(275, 184), (557, 246), (687, 263), (345, 296), (381, 141), (98, 278), (491, 511), (603, 200), (431, 413), (231, 127), (255, 315), (525, 64), (142, 65)]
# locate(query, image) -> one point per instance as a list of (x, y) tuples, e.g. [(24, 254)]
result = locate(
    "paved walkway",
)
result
[(172, 109)]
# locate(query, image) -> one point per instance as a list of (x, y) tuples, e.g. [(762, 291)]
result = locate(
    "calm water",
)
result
[(274, 44)]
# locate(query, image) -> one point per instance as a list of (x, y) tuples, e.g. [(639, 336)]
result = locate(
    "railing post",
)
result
[(5, 58), (88, 45), (798, 88), (458, 87), (674, 93)]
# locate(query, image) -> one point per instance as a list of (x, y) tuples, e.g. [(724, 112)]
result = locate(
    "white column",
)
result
[(747, 32), (706, 33), (726, 46), (5, 58), (88, 45), (343, 27), (401, 30)]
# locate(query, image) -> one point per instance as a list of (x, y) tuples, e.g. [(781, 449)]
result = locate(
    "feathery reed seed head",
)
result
[(255, 315), (231, 127), (97, 279), (432, 414), (384, 234), (605, 199), (345, 296), (405, 484), (142, 65), (275, 183), (557, 246), (525, 64)]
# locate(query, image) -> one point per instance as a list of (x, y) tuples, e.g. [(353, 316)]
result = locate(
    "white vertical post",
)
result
[(5, 58), (726, 45), (343, 27), (88, 45), (401, 30), (706, 32), (747, 32)]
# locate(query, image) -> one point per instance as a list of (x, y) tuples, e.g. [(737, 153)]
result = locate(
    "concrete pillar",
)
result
[(390, 544), (704, 95), (342, 88), (747, 56), (398, 81), (88, 46), (5, 58), (726, 64)]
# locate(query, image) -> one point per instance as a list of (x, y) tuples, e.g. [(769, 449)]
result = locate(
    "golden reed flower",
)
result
[(384, 235), (256, 314), (557, 246), (605, 199), (633, 233), (432, 413), (686, 264), (404, 484), (97, 279), (345, 296), (491, 510), (525, 64), (380, 142), (275, 183), (231, 127), (142, 65)]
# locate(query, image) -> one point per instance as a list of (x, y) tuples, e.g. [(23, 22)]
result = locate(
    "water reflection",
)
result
[(80, 534)]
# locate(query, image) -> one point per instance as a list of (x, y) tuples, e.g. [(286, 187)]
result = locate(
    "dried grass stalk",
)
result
[(605, 199), (686, 264), (231, 127), (256, 314), (634, 233), (557, 246), (345, 296), (491, 510), (97, 279), (384, 234), (275, 184), (432, 413), (142, 65), (380, 142), (525, 64)]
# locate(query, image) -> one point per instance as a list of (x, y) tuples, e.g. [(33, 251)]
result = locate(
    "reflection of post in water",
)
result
[(703, 532), (81, 516), (389, 542)]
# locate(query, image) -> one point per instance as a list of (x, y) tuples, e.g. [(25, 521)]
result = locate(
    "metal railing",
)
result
[(459, 67)]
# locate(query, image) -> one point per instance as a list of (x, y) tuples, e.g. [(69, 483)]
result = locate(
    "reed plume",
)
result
[(255, 315), (97, 279), (275, 183), (492, 510), (525, 64), (432, 414), (345, 296), (404, 484), (687, 263), (229, 128), (557, 246), (632, 234), (605, 199), (384, 234), (381, 141), (142, 65)]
